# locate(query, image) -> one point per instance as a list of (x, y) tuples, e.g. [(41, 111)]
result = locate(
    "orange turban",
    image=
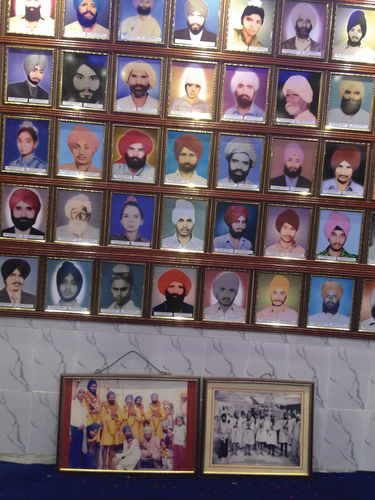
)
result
[(190, 142), (349, 154), (134, 137), (234, 212), (279, 282), (81, 133), (27, 196), (332, 286), (173, 275)]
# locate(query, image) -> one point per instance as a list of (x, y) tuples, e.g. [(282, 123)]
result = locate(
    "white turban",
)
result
[(348, 82), (34, 60), (194, 76), (307, 13), (143, 66), (242, 76), (80, 199), (183, 207), (300, 85), (240, 145)]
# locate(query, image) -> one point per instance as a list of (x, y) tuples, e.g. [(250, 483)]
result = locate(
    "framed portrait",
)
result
[(123, 433), (366, 318), (244, 95), (29, 76), (26, 143), (37, 19), (268, 424), (278, 301), (344, 169), (298, 98), (352, 41), (371, 241), (350, 102), (192, 89), (330, 302), (292, 162), (20, 278), (132, 220), (174, 292), (196, 26), (184, 224), (142, 23), (68, 286), (24, 212), (287, 232), (139, 85), (235, 228), (91, 20), (84, 80), (226, 295), (80, 149), (339, 236), (187, 159), (78, 216), (250, 27), (121, 288), (240, 161), (303, 29)]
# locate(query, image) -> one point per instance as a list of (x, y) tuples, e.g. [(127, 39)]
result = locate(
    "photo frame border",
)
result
[(118, 39), (84, 38)]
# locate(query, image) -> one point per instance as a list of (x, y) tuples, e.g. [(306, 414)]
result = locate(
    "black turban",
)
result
[(288, 216), (11, 265), (357, 17), (64, 271)]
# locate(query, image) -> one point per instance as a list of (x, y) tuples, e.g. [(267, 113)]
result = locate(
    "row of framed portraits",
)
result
[(138, 290), (151, 424), (246, 91)]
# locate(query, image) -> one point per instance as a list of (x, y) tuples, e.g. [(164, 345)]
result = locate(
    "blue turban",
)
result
[(98, 3), (138, 397), (129, 396), (111, 393), (154, 394), (127, 428), (91, 381), (92, 427)]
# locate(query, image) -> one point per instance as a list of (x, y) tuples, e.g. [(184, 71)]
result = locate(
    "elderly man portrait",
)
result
[(353, 49), (293, 165), (278, 312), (332, 292), (251, 19), (195, 33), (175, 285), (188, 150), (343, 163), (299, 96), (122, 288), (87, 13), (191, 103), (336, 230), (24, 206), (235, 217), (225, 289), (368, 324), (32, 22), (78, 211), (244, 86), (287, 224), (304, 21), (241, 158), (183, 218), (150, 447), (34, 66), (142, 25), (84, 79), (83, 144), (352, 92), (134, 146), (27, 142), (14, 272), (140, 77)]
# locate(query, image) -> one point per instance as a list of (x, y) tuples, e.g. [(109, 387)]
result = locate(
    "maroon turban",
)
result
[(190, 142), (349, 154), (234, 212), (288, 216), (173, 275), (134, 137), (27, 196)]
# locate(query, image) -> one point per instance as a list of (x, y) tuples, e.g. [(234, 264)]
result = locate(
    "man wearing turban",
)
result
[(235, 217), (111, 418), (369, 324), (87, 14), (183, 218), (278, 312), (134, 146), (150, 447), (191, 103), (34, 66), (252, 19), (344, 162), (175, 285), (353, 49), (299, 96), (93, 409), (131, 454), (351, 92), (244, 85), (143, 26), (78, 210), (336, 230), (195, 33), (304, 21), (32, 22), (293, 164), (83, 144), (241, 157), (140, 77), (225, 290), (332, 293), (155, 413), (188, 150), (14, 272), (27, 142), (24, 205), (287, 224)]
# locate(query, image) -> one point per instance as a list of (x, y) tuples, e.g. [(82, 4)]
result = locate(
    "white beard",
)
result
[(79, 227)]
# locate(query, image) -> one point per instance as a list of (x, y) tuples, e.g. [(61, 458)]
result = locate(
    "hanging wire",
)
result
[(140, 355)]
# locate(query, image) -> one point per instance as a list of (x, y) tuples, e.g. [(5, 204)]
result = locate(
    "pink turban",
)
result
[(137, 2), (294, 149), (234, 212), (190, 142), (336, 219), (134, 137), (349, 154), (27, 196), (81, 133), (227, 280), (173, 275)]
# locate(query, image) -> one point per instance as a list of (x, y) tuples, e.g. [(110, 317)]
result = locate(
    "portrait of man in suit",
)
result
[(24, 205), (293, 166), (34, 66), (197, 12), (14, 272)]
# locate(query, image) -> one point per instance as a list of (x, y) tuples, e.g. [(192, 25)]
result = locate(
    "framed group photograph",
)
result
[(89, 19), (142, 21), (131, 423), (35, 18), (258, 427), (20, 277), (366, 318)]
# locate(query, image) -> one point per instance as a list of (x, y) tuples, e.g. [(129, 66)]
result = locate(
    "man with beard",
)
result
[(140, 77), (83, 144), (190, 102), (278, 312), (84, 79), (344, 162), (241, 157), (336, 230), (155, 413), (332, 293), (287, 224), (134, 147), (24, 207), (235, 217), (252, 19), (368, 324), (87, 14), (351, 92), (78, 210), (14, 273), (183, 218), (195, 33), (244, 86), (293, 163), (32, 22), (353, 49), (111, 425), (304, 21), (175, 285), (299, 96), (143, 25), (225, 289), (188, 150), (150, 447), (131, 454), (34, 66)]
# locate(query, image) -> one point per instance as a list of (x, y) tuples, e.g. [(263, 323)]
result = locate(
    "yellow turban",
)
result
[(143, 66), (279, 282), (332, 286), (348, 82)]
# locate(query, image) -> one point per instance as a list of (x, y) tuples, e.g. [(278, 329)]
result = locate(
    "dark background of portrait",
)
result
[(317, 34), (335, 99), (138, 271), (119, 131), (18, 8), (301, 237), (16, 73), (41, 219), (251, 226), (358, 174), (354, 238), (158, 298), (368, 287), (29, 285), (212, 21), (127, 9), (63, 196), (71, 14), (277, 156), (313, 79), (343, 14), (169, 228), (263, 294), (316, 301), (147, 203), (122, 88), (212, 275)]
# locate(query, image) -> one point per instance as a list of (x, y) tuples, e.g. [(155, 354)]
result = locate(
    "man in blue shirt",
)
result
[(244, 86), (27, 141)]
